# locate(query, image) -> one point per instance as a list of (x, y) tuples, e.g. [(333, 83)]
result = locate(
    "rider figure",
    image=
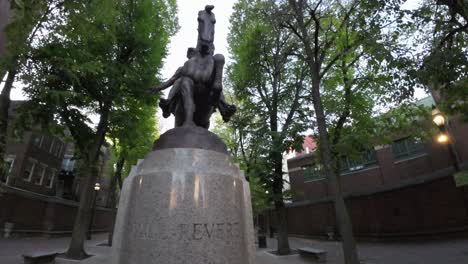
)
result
[(168, 105)]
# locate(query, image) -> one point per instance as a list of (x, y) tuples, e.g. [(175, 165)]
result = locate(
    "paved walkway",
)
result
[(12, 249), (432, 252), (435, 252)]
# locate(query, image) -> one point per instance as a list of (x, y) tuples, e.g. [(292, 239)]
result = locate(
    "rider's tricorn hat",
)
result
[(208, 8)]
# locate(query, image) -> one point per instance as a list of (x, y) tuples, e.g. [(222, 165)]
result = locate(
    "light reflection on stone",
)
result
[(196, 190)]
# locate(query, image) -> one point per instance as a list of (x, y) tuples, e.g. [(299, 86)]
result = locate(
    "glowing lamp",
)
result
[(442, 138), (439, 119)]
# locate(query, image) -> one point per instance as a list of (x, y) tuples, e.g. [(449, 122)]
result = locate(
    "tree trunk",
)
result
[(83, 217), (342, 216), (283, 240), (314, 59), (4, 107), (112, 200), (281, 219)]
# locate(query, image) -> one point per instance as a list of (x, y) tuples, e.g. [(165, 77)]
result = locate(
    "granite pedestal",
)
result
[(184, 206)]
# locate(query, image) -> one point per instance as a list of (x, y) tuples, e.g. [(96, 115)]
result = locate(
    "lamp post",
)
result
[(444, 137), (97, 187)]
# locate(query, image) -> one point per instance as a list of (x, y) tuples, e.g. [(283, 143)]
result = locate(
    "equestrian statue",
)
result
[(197, 86)]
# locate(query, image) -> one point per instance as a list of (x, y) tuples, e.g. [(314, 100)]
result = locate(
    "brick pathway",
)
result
[(429, 252)]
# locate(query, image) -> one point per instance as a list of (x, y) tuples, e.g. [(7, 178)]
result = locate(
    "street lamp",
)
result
[(444, 137), (438, 117), (97, 187)]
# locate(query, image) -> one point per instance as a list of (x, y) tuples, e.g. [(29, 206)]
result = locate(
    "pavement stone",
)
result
[(454, 251), (11, 249)]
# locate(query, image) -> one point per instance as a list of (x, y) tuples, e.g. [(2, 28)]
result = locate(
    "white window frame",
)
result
[(41, 141), (31, 173), (52, 178), (11, 158), (52, 143), (44, 167), (59, 149)]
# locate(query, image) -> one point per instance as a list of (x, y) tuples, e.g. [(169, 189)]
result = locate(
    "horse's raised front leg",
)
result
[(218, 77)]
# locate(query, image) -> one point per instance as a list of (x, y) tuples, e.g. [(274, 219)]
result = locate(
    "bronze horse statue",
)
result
[(197, 86)]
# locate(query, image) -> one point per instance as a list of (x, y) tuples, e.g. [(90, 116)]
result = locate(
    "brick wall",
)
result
[(434, 207), (39, 214)]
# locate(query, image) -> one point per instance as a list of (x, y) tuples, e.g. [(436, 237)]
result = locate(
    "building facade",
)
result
[(308, 146), (39, 191), (33, 160), (402, 189)]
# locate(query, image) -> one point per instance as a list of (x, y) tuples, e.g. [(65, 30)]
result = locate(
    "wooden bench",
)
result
[(317, 254), (40, 258)]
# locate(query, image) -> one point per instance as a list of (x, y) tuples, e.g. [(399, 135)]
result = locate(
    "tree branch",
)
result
[(333, 61), (344, 21), (451, 34), (295, 105)]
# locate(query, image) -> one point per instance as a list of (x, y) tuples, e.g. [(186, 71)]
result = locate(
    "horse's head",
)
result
[(206, 22)]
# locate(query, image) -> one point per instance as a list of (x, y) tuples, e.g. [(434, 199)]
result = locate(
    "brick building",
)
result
[(39, 191), (72, 182), (402, 189), (308, 146), (33, 161)]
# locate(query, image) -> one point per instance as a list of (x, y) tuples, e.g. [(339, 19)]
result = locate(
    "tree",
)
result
[(459, 7), (349, 48), (99, 61), (27, 20), (270, 84), (441, 29)]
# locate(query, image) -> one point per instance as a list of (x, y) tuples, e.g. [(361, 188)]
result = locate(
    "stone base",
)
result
[(190, 137), (184, 206)]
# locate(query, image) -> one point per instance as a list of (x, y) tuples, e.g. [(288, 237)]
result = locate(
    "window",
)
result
[(407, 147), (29, 169), (313, 172), (50, 178), (52, 145), (39, 177), (9, 162), (68, 163), (58, 149), (46, 143), (363, 160)]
